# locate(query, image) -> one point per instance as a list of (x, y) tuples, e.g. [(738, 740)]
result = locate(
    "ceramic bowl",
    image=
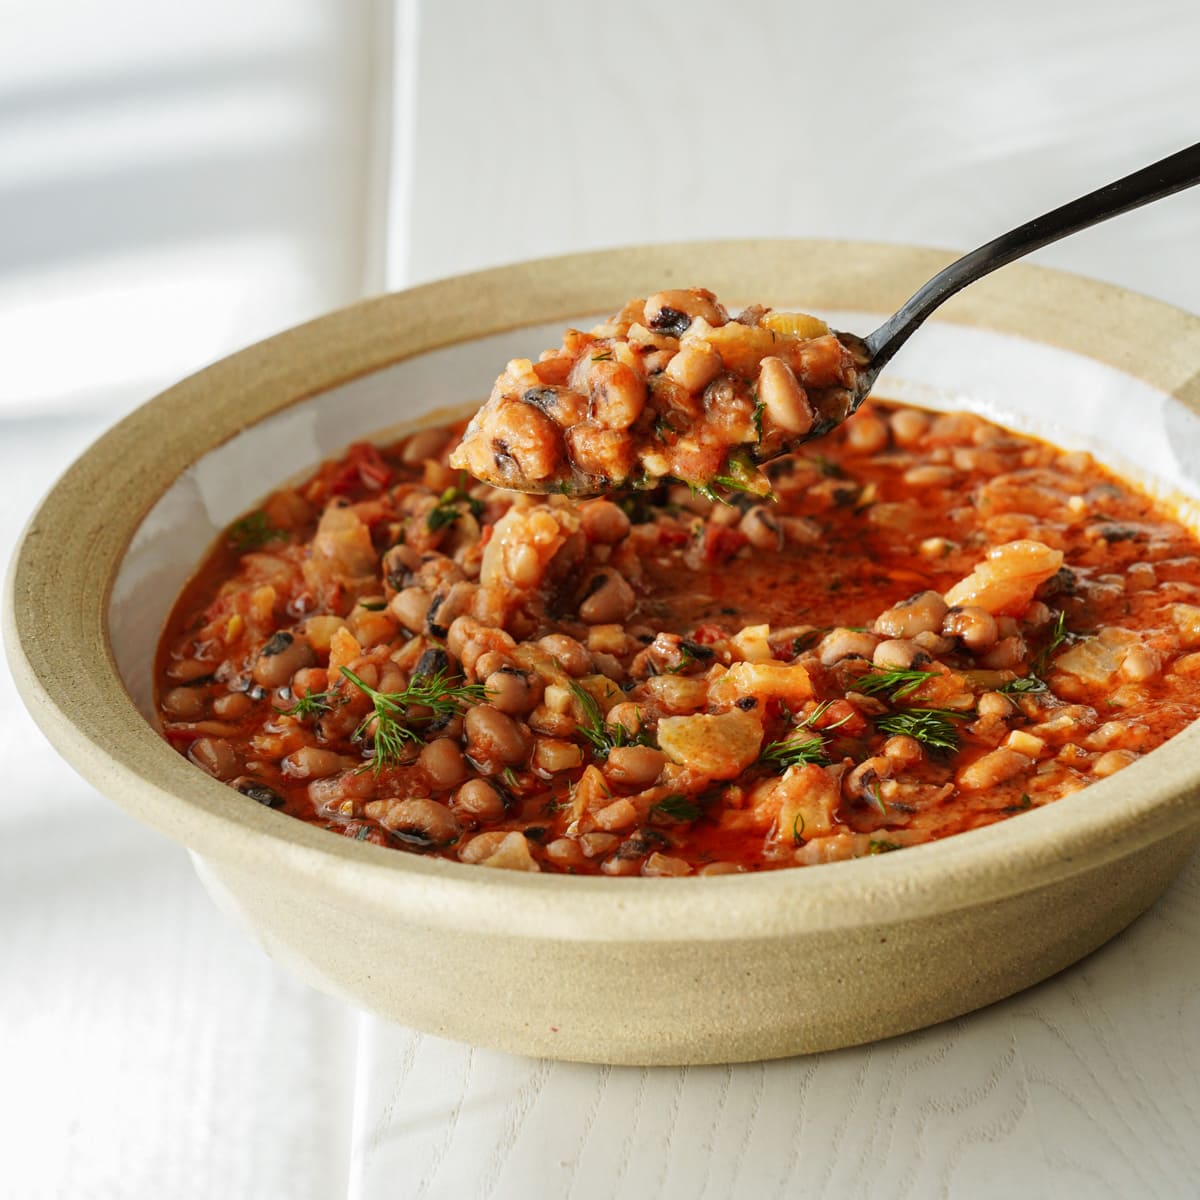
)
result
[(622, 970)]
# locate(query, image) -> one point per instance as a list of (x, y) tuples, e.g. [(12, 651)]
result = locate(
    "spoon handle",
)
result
[(1171, 174)]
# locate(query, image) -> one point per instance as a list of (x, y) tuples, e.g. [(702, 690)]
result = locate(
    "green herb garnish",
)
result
[(677, 808), (757, 418), (603, 356), (817, 713), (897, 684), (389, 712), (1024, 684), (930, 726), (1024, 806), (253, 531), (705, 491), (791, 752), (882, 846), (450, 507), (597, 732), (1058, 635), (315, 704), (875, 799), (687, 656), (798, 833), (742, 476)]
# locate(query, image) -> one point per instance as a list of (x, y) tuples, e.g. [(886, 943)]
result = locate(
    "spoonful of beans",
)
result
[(675, 388)]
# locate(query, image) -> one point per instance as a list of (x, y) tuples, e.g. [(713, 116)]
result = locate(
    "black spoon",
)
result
[(1163, 178)]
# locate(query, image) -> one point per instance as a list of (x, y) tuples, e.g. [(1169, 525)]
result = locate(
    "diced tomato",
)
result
[(363, 466), (722, 543)]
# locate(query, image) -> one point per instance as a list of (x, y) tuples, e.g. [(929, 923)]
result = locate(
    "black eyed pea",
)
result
[(283, 655), (478, 800), (428, 443), (975, 627), (898, 654), (903, 750), (627, 715), (443, 763), (491, 661), (762, 529), (867, 432), (996, 705), (863, 781), (608, 599), (508, 690), (634, 766), (1008, 652), (618, 394), (909, 426), (446, 606), (786, 403), (843, 643), (603, 522), (312, 762), (419, 822), (922, 613), (410, 607), (216, 756), (494, 739), (672, 312), (568, 653), (185, 703)]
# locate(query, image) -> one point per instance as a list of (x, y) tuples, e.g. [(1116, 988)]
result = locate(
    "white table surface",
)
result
[(147, 1049)]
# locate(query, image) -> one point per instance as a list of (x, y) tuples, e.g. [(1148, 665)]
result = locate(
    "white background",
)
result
[(177, 180)]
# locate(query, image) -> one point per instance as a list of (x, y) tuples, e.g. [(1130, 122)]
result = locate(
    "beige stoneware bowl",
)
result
[(610, 970)]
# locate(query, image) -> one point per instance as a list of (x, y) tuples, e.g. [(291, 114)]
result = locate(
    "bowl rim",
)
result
[(59, 584)]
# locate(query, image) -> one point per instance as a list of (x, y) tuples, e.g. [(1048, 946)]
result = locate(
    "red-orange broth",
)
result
[(938, 624)]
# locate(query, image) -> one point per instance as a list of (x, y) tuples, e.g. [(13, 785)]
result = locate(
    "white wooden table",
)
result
[(148, 1050)]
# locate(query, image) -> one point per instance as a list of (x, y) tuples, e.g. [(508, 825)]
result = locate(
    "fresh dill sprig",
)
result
[(706, 491), (897, 684), (882, 846), (315, 704), (791, 752), (450, 507), (798, 824), (1024, 806), (1058, 635), (597, 732), (1024, 683), (385, 728), (810, 722), (741, 475), (603, 356), (253, 531), (795, 749), (932, 727), (676, 808), (875, 799), (757, 418)]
